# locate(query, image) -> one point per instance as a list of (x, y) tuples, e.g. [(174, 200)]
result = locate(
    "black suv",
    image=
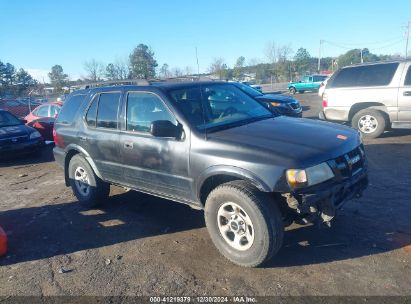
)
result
[(213, 147)]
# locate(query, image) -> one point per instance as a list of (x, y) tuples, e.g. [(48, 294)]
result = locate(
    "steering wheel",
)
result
[(228, 111)]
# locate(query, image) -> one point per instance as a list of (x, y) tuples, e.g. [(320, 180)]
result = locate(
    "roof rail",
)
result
[(90, 85)]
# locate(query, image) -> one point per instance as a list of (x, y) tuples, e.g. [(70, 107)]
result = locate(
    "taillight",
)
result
[(54, 136), (325, 100)]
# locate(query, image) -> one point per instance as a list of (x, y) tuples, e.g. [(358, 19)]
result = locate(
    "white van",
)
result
[(372, 97)]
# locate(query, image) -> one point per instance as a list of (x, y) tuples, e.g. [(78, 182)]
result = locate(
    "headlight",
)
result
[(298, 178), (277, 104), (35, 135)]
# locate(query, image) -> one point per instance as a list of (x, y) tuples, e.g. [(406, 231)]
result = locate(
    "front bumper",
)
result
[(288, 112), (319, 203)]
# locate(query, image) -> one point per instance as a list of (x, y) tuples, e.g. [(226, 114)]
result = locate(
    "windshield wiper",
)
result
[(238, 123)]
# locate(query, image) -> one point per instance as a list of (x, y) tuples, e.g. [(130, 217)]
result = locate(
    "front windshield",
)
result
[(7, 120), (213, 106), (249, 90)]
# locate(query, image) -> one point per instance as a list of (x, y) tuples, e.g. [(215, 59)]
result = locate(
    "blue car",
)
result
[(276, 103)]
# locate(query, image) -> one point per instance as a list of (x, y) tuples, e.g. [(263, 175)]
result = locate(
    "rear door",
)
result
[(151, 163), (404, 95), (100, 137)]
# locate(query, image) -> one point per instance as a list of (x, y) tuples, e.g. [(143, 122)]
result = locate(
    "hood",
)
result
[(298, 141), (15, 131), (277, 98)]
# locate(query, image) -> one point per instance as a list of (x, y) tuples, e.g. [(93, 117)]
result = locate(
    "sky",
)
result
[(35, 35)]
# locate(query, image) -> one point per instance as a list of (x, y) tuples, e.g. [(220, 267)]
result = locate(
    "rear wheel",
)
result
[(89, 189), (371, 123), (244, 224)]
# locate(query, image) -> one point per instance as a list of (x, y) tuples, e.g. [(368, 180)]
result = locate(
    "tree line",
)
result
[(279, 65), (15, 82)]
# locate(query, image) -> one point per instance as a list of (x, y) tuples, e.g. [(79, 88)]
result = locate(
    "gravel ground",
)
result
[(139, 245)]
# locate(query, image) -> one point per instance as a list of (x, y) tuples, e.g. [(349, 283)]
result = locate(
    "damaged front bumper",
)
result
[(319, 203)]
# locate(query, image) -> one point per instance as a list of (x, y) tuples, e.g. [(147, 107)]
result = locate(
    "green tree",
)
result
[(57, 78), (142, 62), (23, 82), (302, 61), (239, 68), (7, 74), (165, 71), (354, 56), (111, 72)]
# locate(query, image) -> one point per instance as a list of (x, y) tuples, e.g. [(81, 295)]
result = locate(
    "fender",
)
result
[(86, 155), (232, 171)]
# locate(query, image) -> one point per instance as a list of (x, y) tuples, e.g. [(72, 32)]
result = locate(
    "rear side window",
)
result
[(42, 111), (107, 110), (407, 81), (91, 116), (365, 76), (319, 78), (69, 110)]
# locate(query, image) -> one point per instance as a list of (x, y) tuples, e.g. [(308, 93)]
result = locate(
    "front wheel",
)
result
[(244, 224), (89, 189), (292, 90), (370, 122)]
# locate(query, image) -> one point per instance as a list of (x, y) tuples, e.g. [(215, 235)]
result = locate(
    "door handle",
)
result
[(128, 145), (407, 93), (83, 138)]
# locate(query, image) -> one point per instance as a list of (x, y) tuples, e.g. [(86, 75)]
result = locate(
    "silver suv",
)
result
[(372, 97)]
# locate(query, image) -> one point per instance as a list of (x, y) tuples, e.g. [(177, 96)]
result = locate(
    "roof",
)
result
[(378, 62), (158, 85)]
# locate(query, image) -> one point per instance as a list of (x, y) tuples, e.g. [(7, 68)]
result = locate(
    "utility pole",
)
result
[(319, 56), (198, 66), (406, 39)]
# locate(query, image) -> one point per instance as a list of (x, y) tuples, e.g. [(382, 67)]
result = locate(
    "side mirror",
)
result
[(164, 128)]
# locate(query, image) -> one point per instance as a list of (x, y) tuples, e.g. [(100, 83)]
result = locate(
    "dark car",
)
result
[(213, 147), (276, 103), (16, 137)]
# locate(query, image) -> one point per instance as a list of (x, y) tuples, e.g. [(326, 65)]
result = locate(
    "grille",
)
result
[(349, 164)]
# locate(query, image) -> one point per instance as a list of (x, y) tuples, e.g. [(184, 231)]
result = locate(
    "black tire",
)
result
[(98, 190), (374, 116), (292, 91), (267, 224)]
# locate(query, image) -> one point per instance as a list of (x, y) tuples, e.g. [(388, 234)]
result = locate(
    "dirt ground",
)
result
[(140, 245)]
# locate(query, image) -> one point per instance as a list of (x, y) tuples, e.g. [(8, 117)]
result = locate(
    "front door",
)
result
[(404, 96), (152, 163)]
